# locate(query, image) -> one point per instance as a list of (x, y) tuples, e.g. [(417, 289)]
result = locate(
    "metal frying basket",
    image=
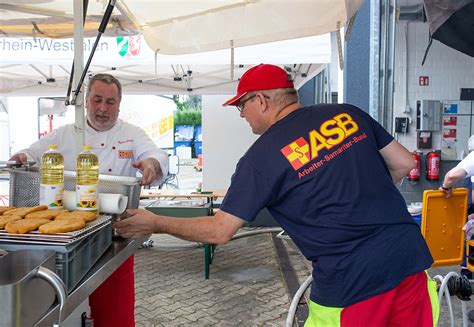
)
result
[(25, 186)]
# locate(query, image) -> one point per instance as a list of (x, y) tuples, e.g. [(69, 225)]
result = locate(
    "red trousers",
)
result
[(113, 302), (414, 302)]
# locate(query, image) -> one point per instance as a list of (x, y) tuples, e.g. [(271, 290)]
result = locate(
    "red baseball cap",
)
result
[(259, 78)]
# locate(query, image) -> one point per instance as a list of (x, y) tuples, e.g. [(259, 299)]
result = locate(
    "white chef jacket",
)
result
[(116, 148), (468, 164)]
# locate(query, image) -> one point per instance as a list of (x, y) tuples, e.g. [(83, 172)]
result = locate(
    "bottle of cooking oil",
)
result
[(87, 180), (52, 178)]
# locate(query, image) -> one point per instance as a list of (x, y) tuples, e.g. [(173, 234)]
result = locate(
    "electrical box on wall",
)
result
[(456, 129), (401, 124), (424, 140), (428, 115)]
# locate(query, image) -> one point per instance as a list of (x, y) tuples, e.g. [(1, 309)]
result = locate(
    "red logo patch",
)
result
[(297, 153), (125, 154)]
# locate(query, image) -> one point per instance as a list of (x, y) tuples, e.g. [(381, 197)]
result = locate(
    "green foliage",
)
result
[(188, 117), (189, 110), (192, 102)]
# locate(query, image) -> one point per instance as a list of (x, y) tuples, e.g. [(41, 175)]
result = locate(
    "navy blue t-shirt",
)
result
[(321, 175)]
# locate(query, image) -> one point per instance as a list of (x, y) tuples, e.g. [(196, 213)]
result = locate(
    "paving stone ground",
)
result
[(245, 288)]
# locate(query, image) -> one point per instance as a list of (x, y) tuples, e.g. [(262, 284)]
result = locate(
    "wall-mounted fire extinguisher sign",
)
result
[(432, 168), (414, 174)]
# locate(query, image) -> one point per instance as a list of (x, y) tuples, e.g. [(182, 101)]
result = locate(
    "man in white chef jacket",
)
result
[(123, 149)]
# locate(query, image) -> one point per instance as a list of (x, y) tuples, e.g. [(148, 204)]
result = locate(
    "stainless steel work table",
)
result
[(112, 259)]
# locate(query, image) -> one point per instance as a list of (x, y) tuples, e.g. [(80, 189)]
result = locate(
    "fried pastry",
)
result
[(6, 219), (46, 214), (24, 211), (23, 226), (3, 209), (86, 215), (62, 226)]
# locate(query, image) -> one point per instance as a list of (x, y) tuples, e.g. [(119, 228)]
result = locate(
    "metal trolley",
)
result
[(68, 257)]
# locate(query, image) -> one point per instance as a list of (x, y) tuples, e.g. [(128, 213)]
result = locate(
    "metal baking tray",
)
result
[(37, 237), (51, 241)]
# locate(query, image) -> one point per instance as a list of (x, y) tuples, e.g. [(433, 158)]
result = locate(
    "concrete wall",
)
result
[(448, 71), (307, 93), (225, 139)]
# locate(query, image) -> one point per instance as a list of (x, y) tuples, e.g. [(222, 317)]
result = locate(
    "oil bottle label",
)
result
[(87, 197), (51, 195)]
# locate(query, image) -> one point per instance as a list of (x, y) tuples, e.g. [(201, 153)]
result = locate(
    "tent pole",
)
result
[(231, 60), (79, 124)]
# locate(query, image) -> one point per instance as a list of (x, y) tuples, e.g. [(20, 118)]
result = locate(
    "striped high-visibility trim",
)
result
[(320, 315), (433, 293)]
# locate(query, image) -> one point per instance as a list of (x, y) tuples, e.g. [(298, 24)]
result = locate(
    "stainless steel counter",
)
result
[(113, 258)]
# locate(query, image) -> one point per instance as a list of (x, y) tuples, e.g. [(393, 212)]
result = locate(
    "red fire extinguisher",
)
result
[(414, 174), (432, 169)]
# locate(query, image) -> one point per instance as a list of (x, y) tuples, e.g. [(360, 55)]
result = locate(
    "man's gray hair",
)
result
[(106, 78), (282, 97)]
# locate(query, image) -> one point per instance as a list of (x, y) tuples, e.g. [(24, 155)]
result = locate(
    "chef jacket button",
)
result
[(102, 144), (110, 170), (113, 148)]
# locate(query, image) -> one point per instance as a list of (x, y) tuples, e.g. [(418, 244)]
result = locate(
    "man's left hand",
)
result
[(150, 169), (139, 223)]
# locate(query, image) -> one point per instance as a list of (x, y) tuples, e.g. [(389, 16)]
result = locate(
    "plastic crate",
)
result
[(197, 148), (74, 260)]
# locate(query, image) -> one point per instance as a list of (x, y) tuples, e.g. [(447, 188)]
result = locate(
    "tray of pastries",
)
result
[(42, 224)]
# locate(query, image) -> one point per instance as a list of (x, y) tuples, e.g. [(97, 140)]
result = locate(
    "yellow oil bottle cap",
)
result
[(87, 147), (52, 146)]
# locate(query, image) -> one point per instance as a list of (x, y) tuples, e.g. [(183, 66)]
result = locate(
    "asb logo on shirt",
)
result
[(331, 133)]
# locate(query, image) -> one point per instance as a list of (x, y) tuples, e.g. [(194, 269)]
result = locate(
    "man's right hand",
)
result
[(447, 190), (20, 158)]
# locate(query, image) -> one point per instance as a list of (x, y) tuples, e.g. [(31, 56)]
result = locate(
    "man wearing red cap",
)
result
[(326, 173)]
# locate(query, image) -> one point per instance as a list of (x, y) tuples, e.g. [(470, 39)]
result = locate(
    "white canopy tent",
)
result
[(180, 35), (183, 26), (172, 28), (42, 66)]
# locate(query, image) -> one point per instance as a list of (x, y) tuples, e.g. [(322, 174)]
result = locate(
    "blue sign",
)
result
[(451, 109)]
